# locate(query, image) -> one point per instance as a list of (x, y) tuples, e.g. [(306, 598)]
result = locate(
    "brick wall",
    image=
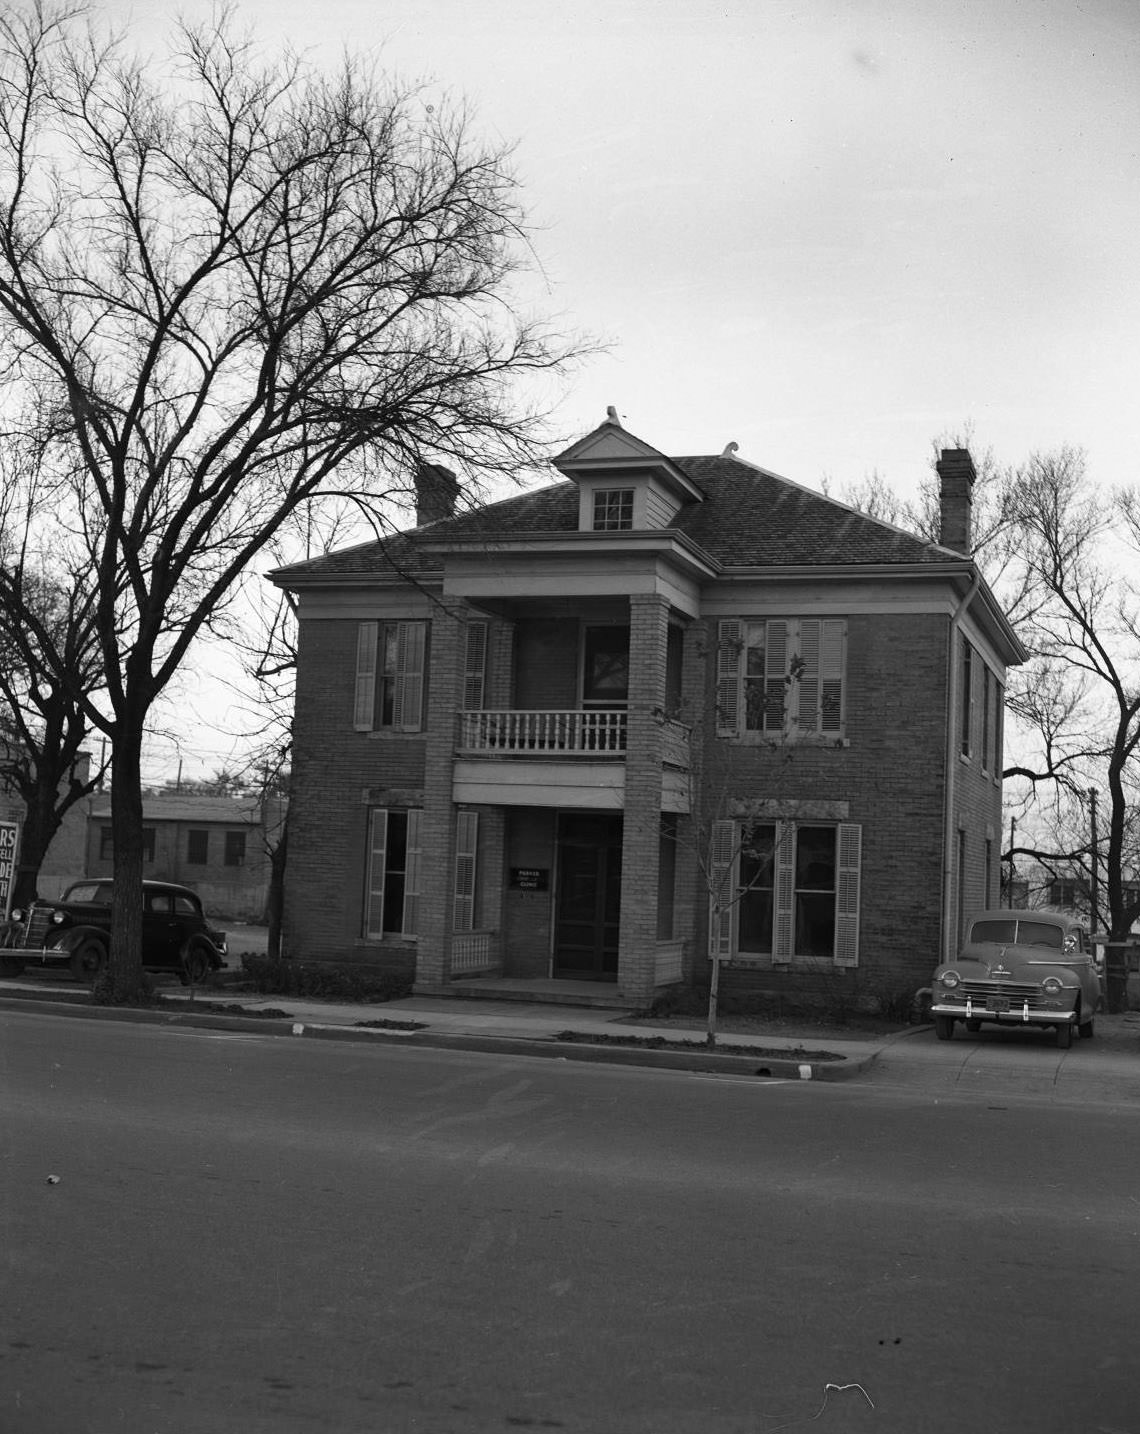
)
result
[(890, 774), (337, 774)]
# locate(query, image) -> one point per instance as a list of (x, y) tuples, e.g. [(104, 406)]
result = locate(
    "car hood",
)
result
[(999, 962)]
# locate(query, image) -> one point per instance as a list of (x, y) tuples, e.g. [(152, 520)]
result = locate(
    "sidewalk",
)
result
[(1106, 1068)]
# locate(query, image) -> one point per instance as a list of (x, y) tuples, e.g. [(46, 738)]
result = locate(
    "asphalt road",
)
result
[(252, 1234)]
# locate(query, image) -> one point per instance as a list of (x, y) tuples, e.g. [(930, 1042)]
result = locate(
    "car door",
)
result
[(160, 944)]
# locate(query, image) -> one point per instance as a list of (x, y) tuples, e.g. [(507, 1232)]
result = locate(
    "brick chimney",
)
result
[(437, 489), (956, 479)]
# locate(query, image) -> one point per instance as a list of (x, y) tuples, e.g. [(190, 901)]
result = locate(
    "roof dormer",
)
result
[(623, 483)]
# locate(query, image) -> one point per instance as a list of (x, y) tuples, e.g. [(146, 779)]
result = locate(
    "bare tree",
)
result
[(50, 666), (1081, 700), (231, 285)]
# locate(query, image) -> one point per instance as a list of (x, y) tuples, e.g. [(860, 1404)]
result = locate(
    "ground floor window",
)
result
[(787, 890), (392, 889)]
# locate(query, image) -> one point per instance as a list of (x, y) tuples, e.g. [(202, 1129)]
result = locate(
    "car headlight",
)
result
[(58, 918), (949, 979), (1052, 985), (15, 914)]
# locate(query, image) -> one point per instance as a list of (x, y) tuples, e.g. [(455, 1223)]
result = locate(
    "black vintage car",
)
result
[(75, 931)]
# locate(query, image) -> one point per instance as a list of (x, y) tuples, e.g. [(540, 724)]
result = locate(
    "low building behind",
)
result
[(216, 845)]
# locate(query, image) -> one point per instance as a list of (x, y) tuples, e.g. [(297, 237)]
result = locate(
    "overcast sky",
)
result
[(827, 231)]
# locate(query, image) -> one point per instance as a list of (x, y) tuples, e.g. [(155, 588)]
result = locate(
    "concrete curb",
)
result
[(739, 1062)]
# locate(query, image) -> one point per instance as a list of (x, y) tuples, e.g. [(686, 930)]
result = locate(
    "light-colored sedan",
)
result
[(1020, 968)]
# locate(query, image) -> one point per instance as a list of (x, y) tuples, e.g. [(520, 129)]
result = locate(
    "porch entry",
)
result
[(587, 910)]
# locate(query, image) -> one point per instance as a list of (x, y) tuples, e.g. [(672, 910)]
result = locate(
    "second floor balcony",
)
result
[(570, 734)]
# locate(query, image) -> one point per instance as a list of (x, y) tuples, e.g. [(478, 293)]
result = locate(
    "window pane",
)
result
[(754, 660), (757, 871), (605, 678), (815, 924), (386, 697), (998, 931), (815, 891), (395, 870), (1038, 933)]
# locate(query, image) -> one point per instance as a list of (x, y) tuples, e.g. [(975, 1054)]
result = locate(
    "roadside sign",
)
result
[(9, 843)]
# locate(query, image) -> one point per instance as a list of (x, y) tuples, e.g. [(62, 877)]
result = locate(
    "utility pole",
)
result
[(1094, 892), (1012, 861)]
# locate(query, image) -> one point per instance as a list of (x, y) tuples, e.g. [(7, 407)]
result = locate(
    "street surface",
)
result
[(245, 1233)]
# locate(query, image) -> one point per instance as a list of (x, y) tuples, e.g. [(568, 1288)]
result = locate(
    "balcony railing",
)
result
[(568, 734)]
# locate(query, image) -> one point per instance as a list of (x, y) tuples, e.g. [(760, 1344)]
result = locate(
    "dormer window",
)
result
[(613, 509)]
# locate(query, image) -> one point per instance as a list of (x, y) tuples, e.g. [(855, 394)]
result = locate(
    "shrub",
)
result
[(323, 979)]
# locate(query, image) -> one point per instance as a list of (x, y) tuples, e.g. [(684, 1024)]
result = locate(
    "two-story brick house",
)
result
[(664, 709)]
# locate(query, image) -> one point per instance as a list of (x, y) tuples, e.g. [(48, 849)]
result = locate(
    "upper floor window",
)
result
[(197, 847), (235, 849), (781, 677), (605, 666), (987, 684), (391, 663), (967, 696), (613, 509)]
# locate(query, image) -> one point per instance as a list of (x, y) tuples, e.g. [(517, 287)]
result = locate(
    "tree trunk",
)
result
[(1116, 971), (40, 824), (124, 977), (275, 897)]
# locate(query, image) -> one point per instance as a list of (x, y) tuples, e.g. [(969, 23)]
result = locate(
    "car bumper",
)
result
[(1020, 1013), (37, 955)]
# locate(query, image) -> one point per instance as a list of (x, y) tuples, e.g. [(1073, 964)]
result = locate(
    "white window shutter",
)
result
[(832, 660), (408, 706), (776, 673), (466, 847), (722, 888), (784, 936), (412, 873), (364, 702), (374, 896), (849, 850), (729, 647), (475, 667), (808, 693)]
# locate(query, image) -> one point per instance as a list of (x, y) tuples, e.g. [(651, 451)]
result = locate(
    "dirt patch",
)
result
[(232, 1008), (664, 1043), (392, 1025)]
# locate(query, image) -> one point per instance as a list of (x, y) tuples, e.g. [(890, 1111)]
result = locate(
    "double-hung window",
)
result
[(786, 891), (393, 880), (781, 678), (391, 662)]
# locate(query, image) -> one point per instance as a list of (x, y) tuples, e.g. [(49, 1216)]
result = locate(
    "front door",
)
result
[(588, 900)]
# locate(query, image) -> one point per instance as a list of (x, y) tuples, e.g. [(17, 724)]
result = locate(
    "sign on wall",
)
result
[(9, 842), (530, 878)]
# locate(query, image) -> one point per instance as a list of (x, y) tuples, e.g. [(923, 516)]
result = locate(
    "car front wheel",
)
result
[(10, 966), (1087, 1030), (1064, 1037), (944, 1027), (87, 961)]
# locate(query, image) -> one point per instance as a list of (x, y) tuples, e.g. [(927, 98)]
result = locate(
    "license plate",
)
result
[(997, 1003)]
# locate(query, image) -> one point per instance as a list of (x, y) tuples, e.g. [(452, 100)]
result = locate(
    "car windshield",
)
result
[(92, 893), (1019, 933)]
